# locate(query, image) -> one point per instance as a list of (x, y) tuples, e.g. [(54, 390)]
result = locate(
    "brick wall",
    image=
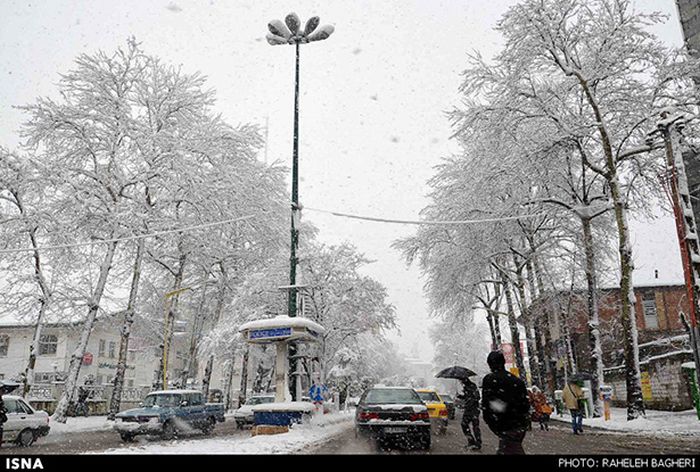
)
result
[(669, 386)]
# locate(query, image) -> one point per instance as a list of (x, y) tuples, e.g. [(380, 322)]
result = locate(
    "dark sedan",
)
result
[(450, 404), (394, 414)]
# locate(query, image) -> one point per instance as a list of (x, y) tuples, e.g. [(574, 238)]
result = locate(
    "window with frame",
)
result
[(651, 317), (48, 344), (4, 344), (101, 350), (112, 349)]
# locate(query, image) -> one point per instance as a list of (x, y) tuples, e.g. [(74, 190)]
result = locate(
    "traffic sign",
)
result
[(270, 333)]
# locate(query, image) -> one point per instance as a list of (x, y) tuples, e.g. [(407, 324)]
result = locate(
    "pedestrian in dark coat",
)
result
[(505, 405), (470, 419), (3, 417)]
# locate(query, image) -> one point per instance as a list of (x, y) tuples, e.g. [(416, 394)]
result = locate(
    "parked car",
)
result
[(244, 415), (393, 414), (436, 409), (168, 413), (24, 424), (450, 404)]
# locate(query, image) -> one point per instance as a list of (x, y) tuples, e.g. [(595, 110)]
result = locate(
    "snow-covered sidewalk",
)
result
[(656, 422), (319, 430)]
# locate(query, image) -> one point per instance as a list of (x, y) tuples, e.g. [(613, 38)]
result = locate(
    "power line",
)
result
[(242, 218), (424, 222), (127, 238)]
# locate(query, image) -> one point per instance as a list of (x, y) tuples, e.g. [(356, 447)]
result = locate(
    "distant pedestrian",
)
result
[(505, 405), (540, 407), (573, 399), (3, 417), (470, 419)]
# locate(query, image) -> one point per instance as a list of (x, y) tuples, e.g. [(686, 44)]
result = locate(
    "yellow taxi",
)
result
[(437, 410)]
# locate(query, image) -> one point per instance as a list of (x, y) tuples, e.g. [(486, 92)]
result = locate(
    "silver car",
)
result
[(244, 415), (24, 424)]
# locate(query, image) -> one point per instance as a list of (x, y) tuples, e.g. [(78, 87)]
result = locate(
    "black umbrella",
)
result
[(455, 372), (7, 386)]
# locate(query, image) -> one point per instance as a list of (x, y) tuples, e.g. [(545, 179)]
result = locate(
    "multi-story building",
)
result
[(663, 341), (57, 342)]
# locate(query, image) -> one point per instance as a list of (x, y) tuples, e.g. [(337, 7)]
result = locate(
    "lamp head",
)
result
[(290, 31)]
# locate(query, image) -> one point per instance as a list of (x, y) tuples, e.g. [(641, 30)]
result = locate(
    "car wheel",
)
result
[(208, 427), (126, 437), (425, 442), (26, 438), (169, 430)]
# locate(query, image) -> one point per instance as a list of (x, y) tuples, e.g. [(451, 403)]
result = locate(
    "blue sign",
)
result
[(270, 333)]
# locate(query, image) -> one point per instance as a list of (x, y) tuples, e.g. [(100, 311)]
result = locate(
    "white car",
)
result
[(24, 424), (244, 415)]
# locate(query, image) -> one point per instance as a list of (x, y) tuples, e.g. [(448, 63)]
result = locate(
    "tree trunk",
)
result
[(635, 401), (77, 356), (115, 401), (537, 323), (514, 331), (494, 340), (192, 364), (527, 322), (242, 393), (28, 379), (593, 317), (170, 310), (229, 382), (206, 380)]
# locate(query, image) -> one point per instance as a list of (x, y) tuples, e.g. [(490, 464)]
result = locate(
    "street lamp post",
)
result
[(290, 32)]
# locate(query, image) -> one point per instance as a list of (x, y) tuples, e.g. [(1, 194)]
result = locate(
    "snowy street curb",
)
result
[(655, 424)]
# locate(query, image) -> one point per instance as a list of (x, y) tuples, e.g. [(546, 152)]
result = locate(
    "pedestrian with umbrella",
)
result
[(470, 399)]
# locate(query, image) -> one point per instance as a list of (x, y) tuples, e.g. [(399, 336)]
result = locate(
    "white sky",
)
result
[(373, 97)]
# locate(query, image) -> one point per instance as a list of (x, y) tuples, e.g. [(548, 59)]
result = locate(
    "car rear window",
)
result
[(260, 400), (392, 396), (429, 397)]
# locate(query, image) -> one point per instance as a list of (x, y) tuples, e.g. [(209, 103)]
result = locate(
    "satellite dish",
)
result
[(293, 23), (278, 28)]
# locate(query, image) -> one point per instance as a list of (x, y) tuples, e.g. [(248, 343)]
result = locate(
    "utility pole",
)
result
[(670, 128)]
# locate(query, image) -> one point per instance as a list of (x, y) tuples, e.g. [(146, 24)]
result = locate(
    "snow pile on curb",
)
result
[(320, 429), (656, 422), (80, 424)]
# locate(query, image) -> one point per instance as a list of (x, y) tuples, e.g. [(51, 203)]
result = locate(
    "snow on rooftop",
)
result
[(283, 322)]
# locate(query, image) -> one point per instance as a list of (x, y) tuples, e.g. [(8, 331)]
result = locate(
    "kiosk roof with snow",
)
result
[(281, 328)]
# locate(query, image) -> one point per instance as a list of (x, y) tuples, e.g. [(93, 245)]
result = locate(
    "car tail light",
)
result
[(443, 412), (368, 415), (423, 415)]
